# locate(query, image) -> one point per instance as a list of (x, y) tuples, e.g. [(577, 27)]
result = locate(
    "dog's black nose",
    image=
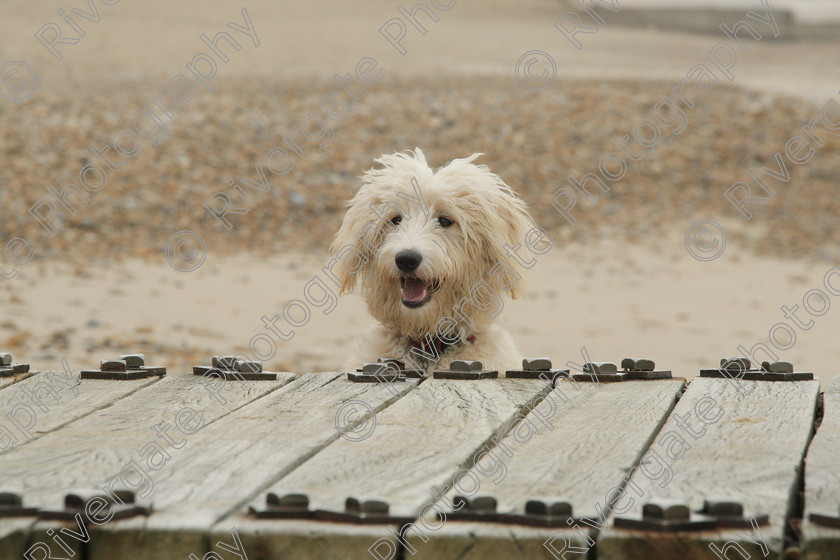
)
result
[(408, 261)]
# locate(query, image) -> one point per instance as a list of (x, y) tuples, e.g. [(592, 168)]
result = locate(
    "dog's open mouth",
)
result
[(417, 292)]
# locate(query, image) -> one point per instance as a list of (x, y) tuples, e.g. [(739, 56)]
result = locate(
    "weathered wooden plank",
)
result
[(46, 401), (822, 480), (235, 459), (720, 442), (579, 443), (425, 438), (85, 452), (12, 379), (419, 443), (49, 400)]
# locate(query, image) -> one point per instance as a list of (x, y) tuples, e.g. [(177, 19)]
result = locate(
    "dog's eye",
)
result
[(444, 222), (396, 220)]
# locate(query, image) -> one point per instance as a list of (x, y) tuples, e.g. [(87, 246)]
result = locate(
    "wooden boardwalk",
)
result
[(433, 469)]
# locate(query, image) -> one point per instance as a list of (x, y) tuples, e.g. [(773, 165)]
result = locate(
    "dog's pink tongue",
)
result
[(414, 289)]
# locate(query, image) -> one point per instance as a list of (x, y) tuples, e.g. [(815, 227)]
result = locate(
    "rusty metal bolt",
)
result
[(289, 501), (536, 364), (483, 504), (11, 502), (366, 506), (374, 368), (5, 359), (637, 364), (124, 494), (11, 497), (599, 367), (666, 510), (133, 361), (729, 513), (223, 362), (777, 367), (722, 506), (393, 363), (78, 499), (112, 365), (735, 364), (244, 366), (465, 365), (549, 507)]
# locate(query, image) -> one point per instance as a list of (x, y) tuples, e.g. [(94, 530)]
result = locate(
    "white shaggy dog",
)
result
[(433, 252)]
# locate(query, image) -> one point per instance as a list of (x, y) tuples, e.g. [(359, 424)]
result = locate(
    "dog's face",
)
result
[(424, 240)]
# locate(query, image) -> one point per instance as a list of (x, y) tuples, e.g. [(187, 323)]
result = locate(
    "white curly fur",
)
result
[(467, 258)]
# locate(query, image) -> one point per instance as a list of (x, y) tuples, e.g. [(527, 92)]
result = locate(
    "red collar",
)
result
[(436, 346)]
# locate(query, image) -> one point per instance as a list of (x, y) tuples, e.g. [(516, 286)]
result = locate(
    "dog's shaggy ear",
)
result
[(497, 217), (348, 246), (508, 225)]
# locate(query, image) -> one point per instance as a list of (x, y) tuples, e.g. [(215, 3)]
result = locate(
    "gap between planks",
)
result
[(822, 481), (752, 453), (50, 401), (232, 461), (451, 419), (99, 444), (566, 463)]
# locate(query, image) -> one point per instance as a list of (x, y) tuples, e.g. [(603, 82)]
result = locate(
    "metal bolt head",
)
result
[(637, 364), (666, 510), (599, 367), (77, 499), (644, 364), (483, 503), (554, 506), (735, 364), (124, 494), (536, 364), (486, 504), (393, 363), (112, 365), (777, 367), (5, 359), (11, 497), (296, 501), (370, 506), (247, 367), (133, 361), (723, 506), (223, 362), (375, 368), (465, 365)]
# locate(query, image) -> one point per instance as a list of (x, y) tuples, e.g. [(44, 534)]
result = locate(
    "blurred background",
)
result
[(620, 281)]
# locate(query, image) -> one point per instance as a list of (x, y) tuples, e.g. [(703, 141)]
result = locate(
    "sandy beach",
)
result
[(615, 299)]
